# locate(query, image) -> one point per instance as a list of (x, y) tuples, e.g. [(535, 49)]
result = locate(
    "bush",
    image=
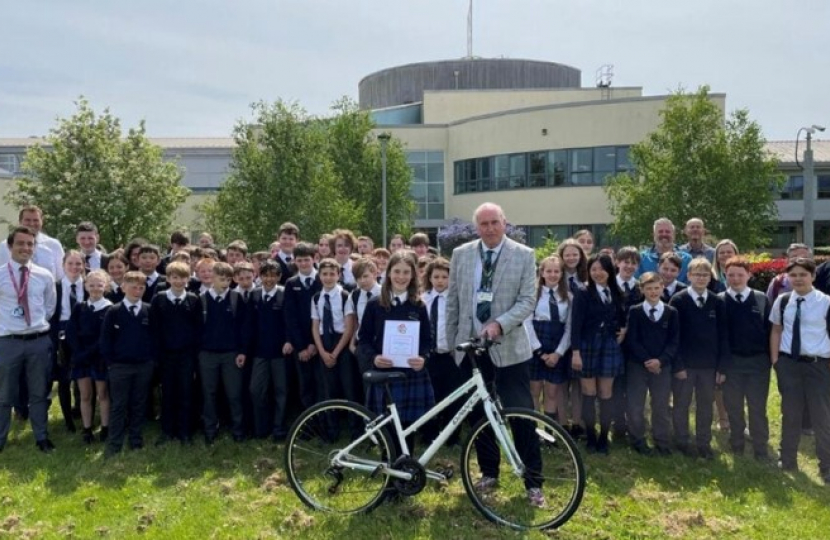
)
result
[(460, 232)]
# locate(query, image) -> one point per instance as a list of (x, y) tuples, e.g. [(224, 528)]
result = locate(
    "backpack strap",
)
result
[(355, 298), (279, 295), (761, 301), (785, 299)]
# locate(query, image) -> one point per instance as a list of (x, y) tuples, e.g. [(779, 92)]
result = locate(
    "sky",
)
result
[(192, 68)]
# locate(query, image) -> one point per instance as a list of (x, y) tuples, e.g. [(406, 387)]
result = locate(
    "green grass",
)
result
[(240, 491)]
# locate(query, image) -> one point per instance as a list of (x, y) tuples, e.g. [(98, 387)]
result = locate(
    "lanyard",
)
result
[(20, 291), (487, 273)]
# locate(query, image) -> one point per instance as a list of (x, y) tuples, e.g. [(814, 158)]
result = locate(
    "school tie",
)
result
[(133, 310), (627, 288), (218, 299), (149, 282), (739, 298), (177, 301), (328, 323), (368, 296), (572, 282), (700, 301), (554, 311), (288, 260), (245, 295), (396, 301), (795, 351), (266, 298), (606, 295), (379, 280), (651, 314), (308, 283), (23, 295), (73, 296), (483, 307), (433, 321), (87, 258)]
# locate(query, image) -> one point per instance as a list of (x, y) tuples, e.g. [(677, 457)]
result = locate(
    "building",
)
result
[(522, 133)]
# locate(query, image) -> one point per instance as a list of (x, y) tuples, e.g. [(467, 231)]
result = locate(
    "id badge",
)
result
[(18, 312), (484, 296)]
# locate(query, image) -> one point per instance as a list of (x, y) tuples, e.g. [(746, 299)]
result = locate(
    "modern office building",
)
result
[(524, 134)]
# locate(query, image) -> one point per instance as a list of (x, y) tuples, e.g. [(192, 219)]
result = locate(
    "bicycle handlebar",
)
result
[(477, 345)]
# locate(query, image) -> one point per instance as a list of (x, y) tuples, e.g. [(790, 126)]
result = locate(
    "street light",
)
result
[(809, 188), (384, 139)]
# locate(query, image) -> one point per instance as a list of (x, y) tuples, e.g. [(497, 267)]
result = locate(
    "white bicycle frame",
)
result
[(343, 458)]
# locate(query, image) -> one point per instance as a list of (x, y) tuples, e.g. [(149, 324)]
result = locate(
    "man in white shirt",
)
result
[(48, 251), (27, 301)]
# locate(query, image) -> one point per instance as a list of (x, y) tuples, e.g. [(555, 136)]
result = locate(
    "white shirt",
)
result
[(695, 296), (48, 254), (660, 307), (285, 256), (94, 259), (481, 254), (601, 292), (670, 288), (339, 309), (746, 293), (99, 304), (172, 296), (66, 288), (632, 283), (441, 343), (152, 278), (304, 277), (346, 272), (362, 300), (41, 296), (814, 339), (128, 305)]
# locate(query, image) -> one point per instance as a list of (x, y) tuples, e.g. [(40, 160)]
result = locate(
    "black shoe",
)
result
[(620, 436), (787, 466), (45, 446), (705, 452), (576, 432), (663, 451), (603, 446), (88, 436), (642, 448), (686, 450), (104, 433), (591, 440)]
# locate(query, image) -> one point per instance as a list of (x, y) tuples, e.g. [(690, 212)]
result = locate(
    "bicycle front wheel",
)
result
[(551, 461), (315, 438)]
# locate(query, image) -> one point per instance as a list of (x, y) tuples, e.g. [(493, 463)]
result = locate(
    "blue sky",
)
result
[(191, 68)]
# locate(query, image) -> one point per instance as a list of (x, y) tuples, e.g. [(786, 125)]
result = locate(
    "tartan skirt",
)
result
[(549, 334), (413, 396), (601, 357)]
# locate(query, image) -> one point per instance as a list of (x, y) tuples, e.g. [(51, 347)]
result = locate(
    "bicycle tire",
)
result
[(562, 473), (312, 441)]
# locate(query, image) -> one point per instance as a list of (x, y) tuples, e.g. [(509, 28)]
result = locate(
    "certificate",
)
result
[(400, 341)]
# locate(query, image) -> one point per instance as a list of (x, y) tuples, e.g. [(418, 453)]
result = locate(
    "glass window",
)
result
[(10, 163), (421, 211), (823, 183), (582, 179), (502, 166), (435, 211), (783, 236), (415, 157), (435, 173), (419, 173), (435, 157), (605, 159), (517, 171), (484, 168), (557, 165), (435, 193), (418, 192), (537, 163), (623, 163), (793, 188), (581, 160)]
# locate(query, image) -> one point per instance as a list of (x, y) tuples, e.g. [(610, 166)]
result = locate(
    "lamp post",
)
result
[(809, 189), (384, 139)]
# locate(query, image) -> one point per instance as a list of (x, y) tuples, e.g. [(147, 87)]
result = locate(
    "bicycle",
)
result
[(347, 475)]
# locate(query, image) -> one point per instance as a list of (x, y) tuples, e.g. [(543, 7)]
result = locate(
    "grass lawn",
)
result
[(239, 491)]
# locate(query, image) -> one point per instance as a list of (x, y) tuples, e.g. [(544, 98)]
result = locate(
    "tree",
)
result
[(320, 174), (698, 165), (86, 171)]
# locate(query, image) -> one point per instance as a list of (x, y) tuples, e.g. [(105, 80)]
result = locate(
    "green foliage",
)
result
[(320, 174), (547, 248), (697, 165), (86, 171)]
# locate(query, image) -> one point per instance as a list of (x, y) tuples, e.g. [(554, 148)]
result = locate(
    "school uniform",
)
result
[(83, 334), (359, 299), (69, 294), (552, 327), (297, 308), (652, 332), (96, 260), (574, 283), (631, 297), (803, 370), (329, 310), (176, 326), (287, 266), (247, 296), (127, 347), (115, 294), (444, 373), (596, 319), (347, 279), (155, 283), (672, 289), (269, 366), (748, 375), (703, 352), (223, 339), (413, 396)]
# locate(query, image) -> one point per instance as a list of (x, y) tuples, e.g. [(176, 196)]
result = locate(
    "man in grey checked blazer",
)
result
[(512, 299)]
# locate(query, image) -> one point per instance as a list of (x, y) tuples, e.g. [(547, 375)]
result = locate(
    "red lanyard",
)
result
[(22, 289)]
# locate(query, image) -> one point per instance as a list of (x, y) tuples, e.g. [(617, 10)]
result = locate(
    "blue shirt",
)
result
[(650, 260)]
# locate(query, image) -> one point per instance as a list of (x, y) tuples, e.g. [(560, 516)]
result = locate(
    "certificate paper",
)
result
[(400, 341)]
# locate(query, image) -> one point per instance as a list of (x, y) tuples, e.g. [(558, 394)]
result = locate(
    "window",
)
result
[(823, 186), (557, 167), (537, 162), (783, 236), (793, 188), (10, 163), (427, 188), (582, 167)]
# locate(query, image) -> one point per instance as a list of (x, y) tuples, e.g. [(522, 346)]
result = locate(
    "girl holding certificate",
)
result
[(398, 301)]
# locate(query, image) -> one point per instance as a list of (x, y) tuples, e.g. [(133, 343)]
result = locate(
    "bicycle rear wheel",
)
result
[(552, 461), (314, 439)]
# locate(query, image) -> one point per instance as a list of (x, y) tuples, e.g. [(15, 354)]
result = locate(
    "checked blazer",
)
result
[(514, 299)]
